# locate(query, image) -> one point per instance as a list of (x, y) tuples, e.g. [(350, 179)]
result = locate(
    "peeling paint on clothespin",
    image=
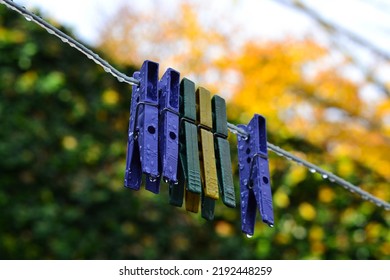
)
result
[(207, 153), (255, 185), (142, 149), (222, 152)]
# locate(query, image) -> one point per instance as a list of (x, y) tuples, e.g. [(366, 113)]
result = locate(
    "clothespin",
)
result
[(207, 155), (189, 168), (254, 175), (222, 152), (142, 148), (168, 139)]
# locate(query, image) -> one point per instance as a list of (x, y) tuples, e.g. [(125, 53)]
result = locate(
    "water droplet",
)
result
[(249, 235), (165, 180), (50, 31), (312, 170), (72, 45), (352, 190), (324, 176), (378, 204), (121, 80), (89, 56), (108, 70), (332, 180), (28, 18), (271, 225), (64, 40), (152, 179), (365, 197)]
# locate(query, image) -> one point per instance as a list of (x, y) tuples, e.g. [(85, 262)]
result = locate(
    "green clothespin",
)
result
[(207, 154), (189, 177), (222, 152)]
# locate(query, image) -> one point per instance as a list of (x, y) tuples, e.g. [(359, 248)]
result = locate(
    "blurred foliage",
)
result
[(63, 142)]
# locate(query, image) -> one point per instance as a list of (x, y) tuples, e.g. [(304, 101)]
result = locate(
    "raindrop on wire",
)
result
[(312, 170), (249, 235)]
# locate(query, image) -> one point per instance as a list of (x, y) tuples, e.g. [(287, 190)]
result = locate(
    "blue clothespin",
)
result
[(254, 174), (169, 91), (142, 148)]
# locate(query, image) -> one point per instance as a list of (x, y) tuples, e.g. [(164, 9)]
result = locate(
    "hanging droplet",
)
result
[(332, 180), (324, 176), (121, 80), (312, 170), (165, 180), (28, 18), (152, 179), (249, 235), (64, 40), (271, 225)]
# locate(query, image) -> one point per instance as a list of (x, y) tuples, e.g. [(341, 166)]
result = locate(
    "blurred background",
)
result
[(318, 72)]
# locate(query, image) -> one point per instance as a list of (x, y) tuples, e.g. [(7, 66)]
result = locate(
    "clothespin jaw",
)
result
[(207, 153), (254, 174), (222, 152), (168, 139), (189, 168), (142, 150)]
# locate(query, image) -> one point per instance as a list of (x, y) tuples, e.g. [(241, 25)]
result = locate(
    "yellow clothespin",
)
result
[(208, 168)]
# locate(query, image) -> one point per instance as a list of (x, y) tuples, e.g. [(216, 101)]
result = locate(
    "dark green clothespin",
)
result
[(189, 178), (207, 155), (222, 152)]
